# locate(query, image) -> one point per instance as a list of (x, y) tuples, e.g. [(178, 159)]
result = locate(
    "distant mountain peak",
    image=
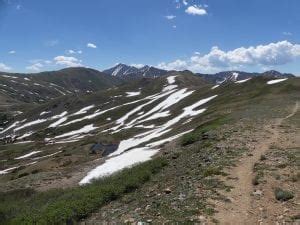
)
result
[(123, 70)]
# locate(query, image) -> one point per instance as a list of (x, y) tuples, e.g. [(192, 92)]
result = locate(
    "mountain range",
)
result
[(70, 141)]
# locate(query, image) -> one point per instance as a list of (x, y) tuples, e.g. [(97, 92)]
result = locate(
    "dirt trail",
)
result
[(240, 210)]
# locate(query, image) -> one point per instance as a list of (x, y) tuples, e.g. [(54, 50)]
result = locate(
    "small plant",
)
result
[(211, 170), (255, 180), (263, 157), (282, 195)]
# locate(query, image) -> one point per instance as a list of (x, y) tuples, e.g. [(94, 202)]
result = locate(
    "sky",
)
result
[(205, 36)]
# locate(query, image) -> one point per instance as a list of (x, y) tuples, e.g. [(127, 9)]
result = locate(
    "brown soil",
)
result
[(244, 205)]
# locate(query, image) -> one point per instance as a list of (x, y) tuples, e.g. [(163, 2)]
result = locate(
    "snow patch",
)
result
[(83, 110), (28, 155), (276, 81), (84, 130), (132, 94), (120, 162), (242, 81), (171, 79), (214, 87)]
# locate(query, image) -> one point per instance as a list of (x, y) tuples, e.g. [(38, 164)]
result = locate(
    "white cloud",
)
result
[(170, 17), (196, 10), (35, 67), (185, 2), (91, 45), (67, 61), (174, 26), (70, 52), (137, 65), (272, 54), (12, 52), (4, 67), (287, 33), (52, 43), (176, 65)]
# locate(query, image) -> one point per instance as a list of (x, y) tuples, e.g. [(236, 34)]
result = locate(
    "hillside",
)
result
[(41, 87), (186, 132)]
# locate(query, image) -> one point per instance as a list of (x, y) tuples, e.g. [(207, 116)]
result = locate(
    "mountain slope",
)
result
[(43, 86), (233, 76), (181, 119)]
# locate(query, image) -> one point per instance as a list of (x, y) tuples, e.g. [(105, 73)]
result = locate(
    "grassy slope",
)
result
[(63, 206)]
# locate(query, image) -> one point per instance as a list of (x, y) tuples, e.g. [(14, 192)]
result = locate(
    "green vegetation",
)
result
[(197, 134), (282, 195), (26, 206)]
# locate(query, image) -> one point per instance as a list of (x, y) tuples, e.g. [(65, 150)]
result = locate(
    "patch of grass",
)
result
[(263, 157), (212, 170), (282, 195), (67, 206), (196, 135)]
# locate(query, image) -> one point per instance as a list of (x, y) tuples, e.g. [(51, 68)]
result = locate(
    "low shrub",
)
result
[(66, 206), (282, 195)]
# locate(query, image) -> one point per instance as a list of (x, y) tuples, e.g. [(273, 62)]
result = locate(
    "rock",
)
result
[(201, 218), (257, 193), (167, 191)]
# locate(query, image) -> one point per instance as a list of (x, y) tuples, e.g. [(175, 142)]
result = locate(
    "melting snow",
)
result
[(25, 135), (214, 87), (242, 81), (45, 112), (10, 127), (235, 75), (120, 162), (30, 124), (58, 122), (149, 135), (132, 94), (126, 160), (28, 155), (171, 79), (59, 115), (84, 110), (46, 156), (276, 81), (160, 142), (8, 170), (84, 130)]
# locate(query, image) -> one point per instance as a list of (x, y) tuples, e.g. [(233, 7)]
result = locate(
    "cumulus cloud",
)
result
[(12, 52), (185, 2), (4, 67), (196, 10), (91, 45), (35, 67), (272, 54), (67, 61), (170, 17)]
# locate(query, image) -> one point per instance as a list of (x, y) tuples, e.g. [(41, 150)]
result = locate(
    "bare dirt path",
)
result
[(240, 209)]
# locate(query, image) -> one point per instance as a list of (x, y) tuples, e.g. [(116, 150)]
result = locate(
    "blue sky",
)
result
[(200, 35)]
